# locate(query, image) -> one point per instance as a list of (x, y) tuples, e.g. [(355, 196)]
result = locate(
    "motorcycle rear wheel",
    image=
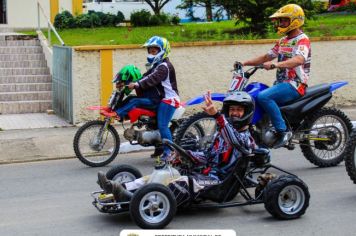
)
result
[(350, 157), (332, 123), (93, 149)]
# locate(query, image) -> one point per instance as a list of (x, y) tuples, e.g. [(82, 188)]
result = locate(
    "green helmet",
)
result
[(128, 74)]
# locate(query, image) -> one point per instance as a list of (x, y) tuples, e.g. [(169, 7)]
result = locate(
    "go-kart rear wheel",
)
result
[(123, 173), (286, 197), (153, 206)]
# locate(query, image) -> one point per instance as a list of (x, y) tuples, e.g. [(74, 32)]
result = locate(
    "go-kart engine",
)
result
[(142, 137)]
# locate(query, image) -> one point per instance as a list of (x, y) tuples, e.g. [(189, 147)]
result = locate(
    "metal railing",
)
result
[(49, 24)]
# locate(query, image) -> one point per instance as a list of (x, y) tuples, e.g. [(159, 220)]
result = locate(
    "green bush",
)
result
[(165, 18), (64, 20), (140, 18), (119, 17), (155, 20), (84, 21), (175, 20)]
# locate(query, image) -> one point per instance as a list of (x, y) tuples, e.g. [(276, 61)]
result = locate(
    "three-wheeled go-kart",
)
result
[(154, 205)]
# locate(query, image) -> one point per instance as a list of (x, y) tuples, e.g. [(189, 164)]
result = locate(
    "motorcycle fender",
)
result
[(337, 85), (178, 113), (316, 103), (95, 108), (200, 99)]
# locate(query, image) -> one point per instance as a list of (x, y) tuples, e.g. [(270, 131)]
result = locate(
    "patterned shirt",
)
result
[(287, 48), (229, 144)]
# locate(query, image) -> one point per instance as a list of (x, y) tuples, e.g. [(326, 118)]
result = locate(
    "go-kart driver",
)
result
[(232, 140)]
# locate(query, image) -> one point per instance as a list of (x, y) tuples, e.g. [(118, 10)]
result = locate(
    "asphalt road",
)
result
[(53, 198)]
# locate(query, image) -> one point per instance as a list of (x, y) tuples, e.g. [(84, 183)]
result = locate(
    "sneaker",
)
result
[(283, 138)]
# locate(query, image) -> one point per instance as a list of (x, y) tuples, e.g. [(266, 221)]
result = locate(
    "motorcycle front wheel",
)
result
[(326, 133), (350, 157), (196, 132), (96, 145)]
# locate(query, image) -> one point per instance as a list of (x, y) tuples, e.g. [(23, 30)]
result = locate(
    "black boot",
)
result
[(283, 138), (104, 183), (158, 151), (120, 193)]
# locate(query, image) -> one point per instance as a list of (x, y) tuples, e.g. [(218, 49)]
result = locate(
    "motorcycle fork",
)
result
[(103, 129)]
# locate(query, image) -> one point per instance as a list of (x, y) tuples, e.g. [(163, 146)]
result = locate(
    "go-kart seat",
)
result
[(229, 187), (260, 156)]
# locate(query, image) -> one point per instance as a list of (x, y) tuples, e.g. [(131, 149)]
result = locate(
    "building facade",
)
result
[(23, 14)]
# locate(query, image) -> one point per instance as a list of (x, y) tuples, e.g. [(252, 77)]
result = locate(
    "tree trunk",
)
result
[(209, 10)]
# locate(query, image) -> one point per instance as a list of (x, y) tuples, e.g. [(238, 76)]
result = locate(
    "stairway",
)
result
[(25, 80)]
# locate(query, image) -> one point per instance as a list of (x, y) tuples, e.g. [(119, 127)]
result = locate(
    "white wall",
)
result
[(201, 68), (23, 13)]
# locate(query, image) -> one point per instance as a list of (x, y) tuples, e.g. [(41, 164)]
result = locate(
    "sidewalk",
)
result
[(56, 142)]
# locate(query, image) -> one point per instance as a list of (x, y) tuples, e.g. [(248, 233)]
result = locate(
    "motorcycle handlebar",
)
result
[(248, 73)]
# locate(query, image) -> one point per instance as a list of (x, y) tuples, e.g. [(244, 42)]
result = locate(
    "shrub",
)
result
[(155, 20), (165, 18), (140, 18), (64, 20), (175, 20), (119, 17), (96, 20), (84, 21)]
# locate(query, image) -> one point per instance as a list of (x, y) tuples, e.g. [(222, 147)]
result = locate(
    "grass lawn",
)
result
[(324, 25)]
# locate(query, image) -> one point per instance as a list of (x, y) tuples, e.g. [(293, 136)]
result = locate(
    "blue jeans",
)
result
[(133, 103), (164, 115), (275, 96)]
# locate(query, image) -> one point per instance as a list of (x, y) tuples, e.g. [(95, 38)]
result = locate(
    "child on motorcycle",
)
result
[(232, 140), (159, 88), (294, 54)]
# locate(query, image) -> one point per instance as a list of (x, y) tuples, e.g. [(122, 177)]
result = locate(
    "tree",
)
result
[(255, 14), (207, 4), (157, 5)]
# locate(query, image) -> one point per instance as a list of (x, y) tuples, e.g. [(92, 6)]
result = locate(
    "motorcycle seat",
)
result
[(311, 91)]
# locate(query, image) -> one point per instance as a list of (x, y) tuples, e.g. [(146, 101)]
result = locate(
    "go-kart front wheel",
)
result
[(123, 173), (286, 197), (153, 206)]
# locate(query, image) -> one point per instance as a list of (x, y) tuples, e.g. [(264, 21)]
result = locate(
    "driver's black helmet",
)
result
[(242, 99)]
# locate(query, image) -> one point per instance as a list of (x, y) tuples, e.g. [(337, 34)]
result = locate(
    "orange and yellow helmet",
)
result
[(295, 14)]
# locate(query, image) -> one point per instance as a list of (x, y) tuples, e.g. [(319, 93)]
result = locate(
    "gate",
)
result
[(62, 82)]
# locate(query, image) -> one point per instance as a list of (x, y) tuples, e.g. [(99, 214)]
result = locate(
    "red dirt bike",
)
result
[(97, 142)]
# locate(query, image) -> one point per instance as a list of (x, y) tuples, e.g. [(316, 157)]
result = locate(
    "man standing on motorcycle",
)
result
[(293, 53), (161, 77), (232, 140)]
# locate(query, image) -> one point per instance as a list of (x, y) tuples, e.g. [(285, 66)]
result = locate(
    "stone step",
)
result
[(20, 50), (24, 71), (25, 87), (25, 79), (19, 107), (23, 64), (22, 57), (19, 43), (25, 96)]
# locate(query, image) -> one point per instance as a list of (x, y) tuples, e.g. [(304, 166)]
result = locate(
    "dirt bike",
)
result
[(350, 156), (97, 142), (321, 132)]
